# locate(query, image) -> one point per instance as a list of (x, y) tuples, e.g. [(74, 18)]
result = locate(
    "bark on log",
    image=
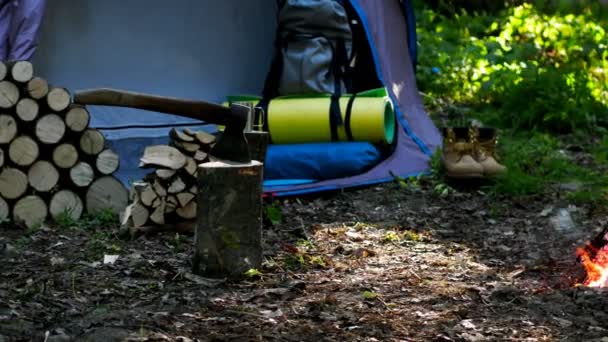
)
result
[(65, 156), (77, 118), (92, 142), (66, 202), (228, 238), (21, 71), (82, 174), (58, 99), (27, 109), (13, 183), (107, 162), (23, 151), (5, 211), (106, 193), (50, 129), (163, 156), (37, 88), (43, 176), (8, 128), (9, 94), (30, 211)]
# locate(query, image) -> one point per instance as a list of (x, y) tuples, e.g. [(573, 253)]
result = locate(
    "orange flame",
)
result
[(595, 263)]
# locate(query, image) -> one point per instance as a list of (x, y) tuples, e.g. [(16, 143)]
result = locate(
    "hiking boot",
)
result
[(485, 141), (458, 154)]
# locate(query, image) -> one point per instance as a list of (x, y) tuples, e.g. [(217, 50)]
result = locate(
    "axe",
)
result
[(231, 144)]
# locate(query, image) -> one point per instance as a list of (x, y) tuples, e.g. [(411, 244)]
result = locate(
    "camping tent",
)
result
[(211, 49)]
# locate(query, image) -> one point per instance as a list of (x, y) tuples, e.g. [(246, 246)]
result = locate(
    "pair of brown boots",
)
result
[(470, 152)]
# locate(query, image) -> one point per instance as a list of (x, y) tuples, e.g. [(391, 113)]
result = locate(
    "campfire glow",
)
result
[(595, 262)]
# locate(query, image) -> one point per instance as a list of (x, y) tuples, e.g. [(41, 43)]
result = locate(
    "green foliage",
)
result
[(369, 295), (273, 213), (521, 69), (253, 273)]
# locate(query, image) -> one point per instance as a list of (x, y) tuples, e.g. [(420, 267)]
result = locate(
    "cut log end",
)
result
[(50, 129), (23, 151), (30, 211), (13, 183), (107, 162), (106, 193), (27, 109), (82, 174), (8, 128), (9, 94), (92, 142), (22, 71), (66, 204), (77, 118), (5, 210), (65, 156), (43, 176), (37, 88), (58, 99), (3, 71), (163, 156)]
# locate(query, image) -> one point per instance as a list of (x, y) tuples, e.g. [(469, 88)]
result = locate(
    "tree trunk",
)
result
[(66, 202), (58, 99), (50, 129), (92, 142), (43, 176), (229, 221), (23, 151), (106, 193), (30, 211), (13, 183), (65, 156), (8, 128), (27, 109), (9, 94), (77, 118)]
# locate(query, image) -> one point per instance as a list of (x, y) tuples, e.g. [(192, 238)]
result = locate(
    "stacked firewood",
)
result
[(51, 162), (169, 193)]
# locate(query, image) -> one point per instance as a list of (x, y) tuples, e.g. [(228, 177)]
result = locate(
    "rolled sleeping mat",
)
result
[(296, 120)]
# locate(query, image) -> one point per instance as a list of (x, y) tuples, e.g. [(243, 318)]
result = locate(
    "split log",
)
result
[(205, 138), (82, 174), (21, 71), (1, 158), (135, 215), (50, 129), (27, 109), (176, 186), (30, 211), (163, 156), (37, 88), (158, 215), (200, 156), (58, 99), (171, 204), (43, 176), (180, 136), (3, 71), (66, 202), (5, 211), (228, 237), (187, 147), (92, 142), (188, 212), (106, 193), (165, 173), (13, 183), (107, 162), (9, 94), (185, 198), (77, 118), (146, 194), (23, 151), (65, 156), (160, 190), (190, 166), (8, 128)]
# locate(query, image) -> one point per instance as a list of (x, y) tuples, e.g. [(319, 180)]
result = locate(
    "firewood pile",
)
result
[(51, 162), (168, 194)]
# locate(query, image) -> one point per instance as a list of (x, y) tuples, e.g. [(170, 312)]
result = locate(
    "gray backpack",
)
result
[(315, 42)]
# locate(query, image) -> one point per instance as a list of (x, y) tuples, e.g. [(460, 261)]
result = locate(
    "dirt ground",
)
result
[(385, 263)]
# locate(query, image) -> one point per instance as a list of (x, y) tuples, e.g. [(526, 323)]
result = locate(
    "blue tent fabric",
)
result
[(197, 53)]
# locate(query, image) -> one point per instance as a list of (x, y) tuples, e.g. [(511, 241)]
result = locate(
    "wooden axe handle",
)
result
[(198, 110)]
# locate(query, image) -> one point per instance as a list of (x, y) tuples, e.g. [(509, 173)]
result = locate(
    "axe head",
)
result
[(231, 144)]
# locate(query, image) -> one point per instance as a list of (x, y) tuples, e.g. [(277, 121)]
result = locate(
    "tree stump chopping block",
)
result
[(228, 233)]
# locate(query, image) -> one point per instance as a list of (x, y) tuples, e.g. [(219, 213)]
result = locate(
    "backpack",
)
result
[(313, 49)]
